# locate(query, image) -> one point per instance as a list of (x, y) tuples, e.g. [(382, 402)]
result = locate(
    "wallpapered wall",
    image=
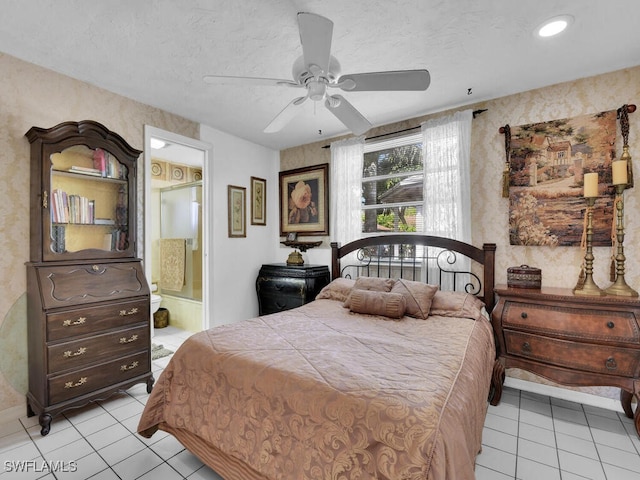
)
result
[(560, 265), (34, 96)]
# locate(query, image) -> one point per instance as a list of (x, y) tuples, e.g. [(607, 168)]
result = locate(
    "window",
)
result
[(392, 186)]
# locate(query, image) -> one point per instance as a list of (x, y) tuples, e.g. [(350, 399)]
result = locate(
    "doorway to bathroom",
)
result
[(176, 236)]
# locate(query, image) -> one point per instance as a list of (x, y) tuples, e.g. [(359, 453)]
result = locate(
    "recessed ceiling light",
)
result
[(554, 26), (157, 144)]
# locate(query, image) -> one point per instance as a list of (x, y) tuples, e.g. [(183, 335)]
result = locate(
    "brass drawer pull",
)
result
[(526, 347), (70, 323), (524, 315), (611, 324), (133, 338), (124, 313), (124, 368), (611, 364), (69, 353), (82, 381)]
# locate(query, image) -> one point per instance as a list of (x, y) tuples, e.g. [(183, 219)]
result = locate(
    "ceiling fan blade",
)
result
[(246, 81), (285, 116), (385, 81), (315, 38), (347, 114)]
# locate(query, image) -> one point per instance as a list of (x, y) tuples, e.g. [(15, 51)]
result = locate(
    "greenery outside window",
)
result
[(392, 186)]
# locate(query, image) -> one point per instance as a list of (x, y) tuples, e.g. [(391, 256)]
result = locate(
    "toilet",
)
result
[(155, 303), (155, 300)]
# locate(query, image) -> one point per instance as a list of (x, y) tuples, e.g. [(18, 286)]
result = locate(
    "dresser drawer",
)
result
[(575, 355), (85, 351), (79, 382), (563, 321), (279, 303), (281, 286), (72, 285), (88, 320)]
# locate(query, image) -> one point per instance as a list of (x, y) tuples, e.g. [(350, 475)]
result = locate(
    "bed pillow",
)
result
[(339, 289), (373, 284), (371, 302), (418, 296), (456, 304)]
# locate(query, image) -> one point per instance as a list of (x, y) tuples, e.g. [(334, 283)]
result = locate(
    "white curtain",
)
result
[(345, 216), (446, 144)]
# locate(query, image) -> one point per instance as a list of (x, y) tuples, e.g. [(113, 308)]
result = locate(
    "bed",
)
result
[(385, 375)]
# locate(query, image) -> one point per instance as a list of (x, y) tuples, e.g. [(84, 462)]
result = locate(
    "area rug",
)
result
[(158, 351)]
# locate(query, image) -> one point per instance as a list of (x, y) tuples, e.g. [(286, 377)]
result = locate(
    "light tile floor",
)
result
[(526, 437)]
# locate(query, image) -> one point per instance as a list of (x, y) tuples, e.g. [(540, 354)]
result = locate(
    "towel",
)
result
[(172, 263)]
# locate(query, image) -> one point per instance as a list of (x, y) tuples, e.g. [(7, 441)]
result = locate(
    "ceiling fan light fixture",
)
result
[(317, 89), (554, 26)]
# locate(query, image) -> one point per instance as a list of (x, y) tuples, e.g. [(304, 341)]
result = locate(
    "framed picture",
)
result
[(304, 201), (292, 236), (258, 201), (237, 211)]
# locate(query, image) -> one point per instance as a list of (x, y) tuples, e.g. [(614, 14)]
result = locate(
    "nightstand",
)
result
[(282, 287), (569, 339)]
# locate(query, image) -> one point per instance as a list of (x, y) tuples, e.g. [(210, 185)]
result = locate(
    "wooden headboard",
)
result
[(405, 256)]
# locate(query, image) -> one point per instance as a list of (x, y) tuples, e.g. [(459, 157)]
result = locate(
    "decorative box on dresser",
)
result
[(569, 339), (282, 287), (88, 302)]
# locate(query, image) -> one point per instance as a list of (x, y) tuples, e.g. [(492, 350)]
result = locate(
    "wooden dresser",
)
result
[(568, 339), (88, 302), (282, 287)]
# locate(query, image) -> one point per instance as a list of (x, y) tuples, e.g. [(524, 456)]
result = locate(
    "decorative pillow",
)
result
[(417, 295), (339, 289), (387, 304), (456, 304), (373, 284)]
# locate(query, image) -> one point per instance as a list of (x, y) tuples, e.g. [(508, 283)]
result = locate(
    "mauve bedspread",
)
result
[(322, 393)]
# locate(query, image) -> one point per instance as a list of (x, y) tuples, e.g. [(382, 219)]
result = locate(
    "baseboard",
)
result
[(13, 413), (564, 394)]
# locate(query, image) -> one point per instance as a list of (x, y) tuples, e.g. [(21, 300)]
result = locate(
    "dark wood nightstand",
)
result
[(282, 287), (569, 339)]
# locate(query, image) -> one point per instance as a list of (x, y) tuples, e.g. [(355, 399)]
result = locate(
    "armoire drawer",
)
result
[(88, 350), (73, 384), (73, 285), (580, 356), (88, 320), (570, 322)]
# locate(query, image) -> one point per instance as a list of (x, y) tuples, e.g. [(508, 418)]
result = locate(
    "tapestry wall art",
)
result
[(547, 164)]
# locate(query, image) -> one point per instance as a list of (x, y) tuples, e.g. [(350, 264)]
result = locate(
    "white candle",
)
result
[(619, 169), (590, 185)]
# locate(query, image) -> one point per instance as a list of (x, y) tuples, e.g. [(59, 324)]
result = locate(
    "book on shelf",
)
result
[(72, 208), (104, 221), (85, 171), (100, 161), (58, 238), (107, 243)]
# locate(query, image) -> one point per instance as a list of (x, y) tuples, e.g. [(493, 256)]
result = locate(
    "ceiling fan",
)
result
[(317, 71)]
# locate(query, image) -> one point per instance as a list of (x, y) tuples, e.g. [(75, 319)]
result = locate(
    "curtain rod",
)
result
[(475, 113)]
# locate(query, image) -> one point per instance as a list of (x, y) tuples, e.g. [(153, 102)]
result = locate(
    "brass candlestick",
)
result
[(620, 287), (589, 287)]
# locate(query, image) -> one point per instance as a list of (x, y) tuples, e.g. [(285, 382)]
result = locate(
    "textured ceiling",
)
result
[(157, 52)]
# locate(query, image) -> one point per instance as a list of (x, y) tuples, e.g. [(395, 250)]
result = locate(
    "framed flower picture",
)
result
[(304, 201), (237, 211), (258, 201)]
